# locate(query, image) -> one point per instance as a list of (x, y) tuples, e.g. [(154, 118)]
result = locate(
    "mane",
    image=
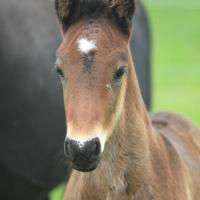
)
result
[(70, 11)]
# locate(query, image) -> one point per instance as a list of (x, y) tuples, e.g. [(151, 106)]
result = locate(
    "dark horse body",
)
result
[(31, 107)]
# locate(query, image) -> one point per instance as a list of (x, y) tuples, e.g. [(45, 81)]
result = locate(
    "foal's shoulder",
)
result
[(177, 128), (173, 121)]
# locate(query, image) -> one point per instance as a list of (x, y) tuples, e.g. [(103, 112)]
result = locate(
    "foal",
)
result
[(117, 150)]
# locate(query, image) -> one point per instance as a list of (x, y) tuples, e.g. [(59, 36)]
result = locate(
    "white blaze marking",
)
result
[(85, 45)]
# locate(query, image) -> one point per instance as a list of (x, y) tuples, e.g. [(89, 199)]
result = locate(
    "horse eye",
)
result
[(120, 72), (59, 71)]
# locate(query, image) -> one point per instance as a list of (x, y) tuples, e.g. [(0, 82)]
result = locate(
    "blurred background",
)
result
[(175, 27)]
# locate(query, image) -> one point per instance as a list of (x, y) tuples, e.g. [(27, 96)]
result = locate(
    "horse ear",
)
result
[(63, 10), (123, 11)]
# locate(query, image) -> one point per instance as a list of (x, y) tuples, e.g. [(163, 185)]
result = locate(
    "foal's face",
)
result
[(93, 65)]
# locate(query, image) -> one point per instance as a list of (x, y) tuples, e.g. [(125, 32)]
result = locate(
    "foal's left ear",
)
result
[(123, 11)]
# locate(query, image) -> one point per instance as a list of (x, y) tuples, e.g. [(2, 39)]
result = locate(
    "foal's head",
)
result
[(94, 63)]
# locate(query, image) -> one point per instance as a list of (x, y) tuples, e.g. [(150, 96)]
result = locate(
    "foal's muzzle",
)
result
[(83, 155)]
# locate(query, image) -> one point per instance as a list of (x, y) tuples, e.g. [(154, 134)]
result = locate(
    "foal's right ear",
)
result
[(63, 10)]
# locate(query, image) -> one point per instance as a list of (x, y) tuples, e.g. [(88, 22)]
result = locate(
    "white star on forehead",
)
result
[(85, 45)]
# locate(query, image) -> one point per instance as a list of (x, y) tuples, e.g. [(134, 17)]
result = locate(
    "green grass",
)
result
[(176, 59), (176, 56), (57, 193)]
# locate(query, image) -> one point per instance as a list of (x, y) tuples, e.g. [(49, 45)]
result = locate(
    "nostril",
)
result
[(67, 149), (93, 148), (97, 147)]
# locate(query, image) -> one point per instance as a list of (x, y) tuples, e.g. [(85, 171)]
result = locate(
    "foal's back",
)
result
[(183, 136)]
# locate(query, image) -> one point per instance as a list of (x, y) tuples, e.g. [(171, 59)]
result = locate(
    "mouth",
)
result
[(82, 165)]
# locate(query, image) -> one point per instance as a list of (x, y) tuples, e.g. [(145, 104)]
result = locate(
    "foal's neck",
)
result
[(125, 164)]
